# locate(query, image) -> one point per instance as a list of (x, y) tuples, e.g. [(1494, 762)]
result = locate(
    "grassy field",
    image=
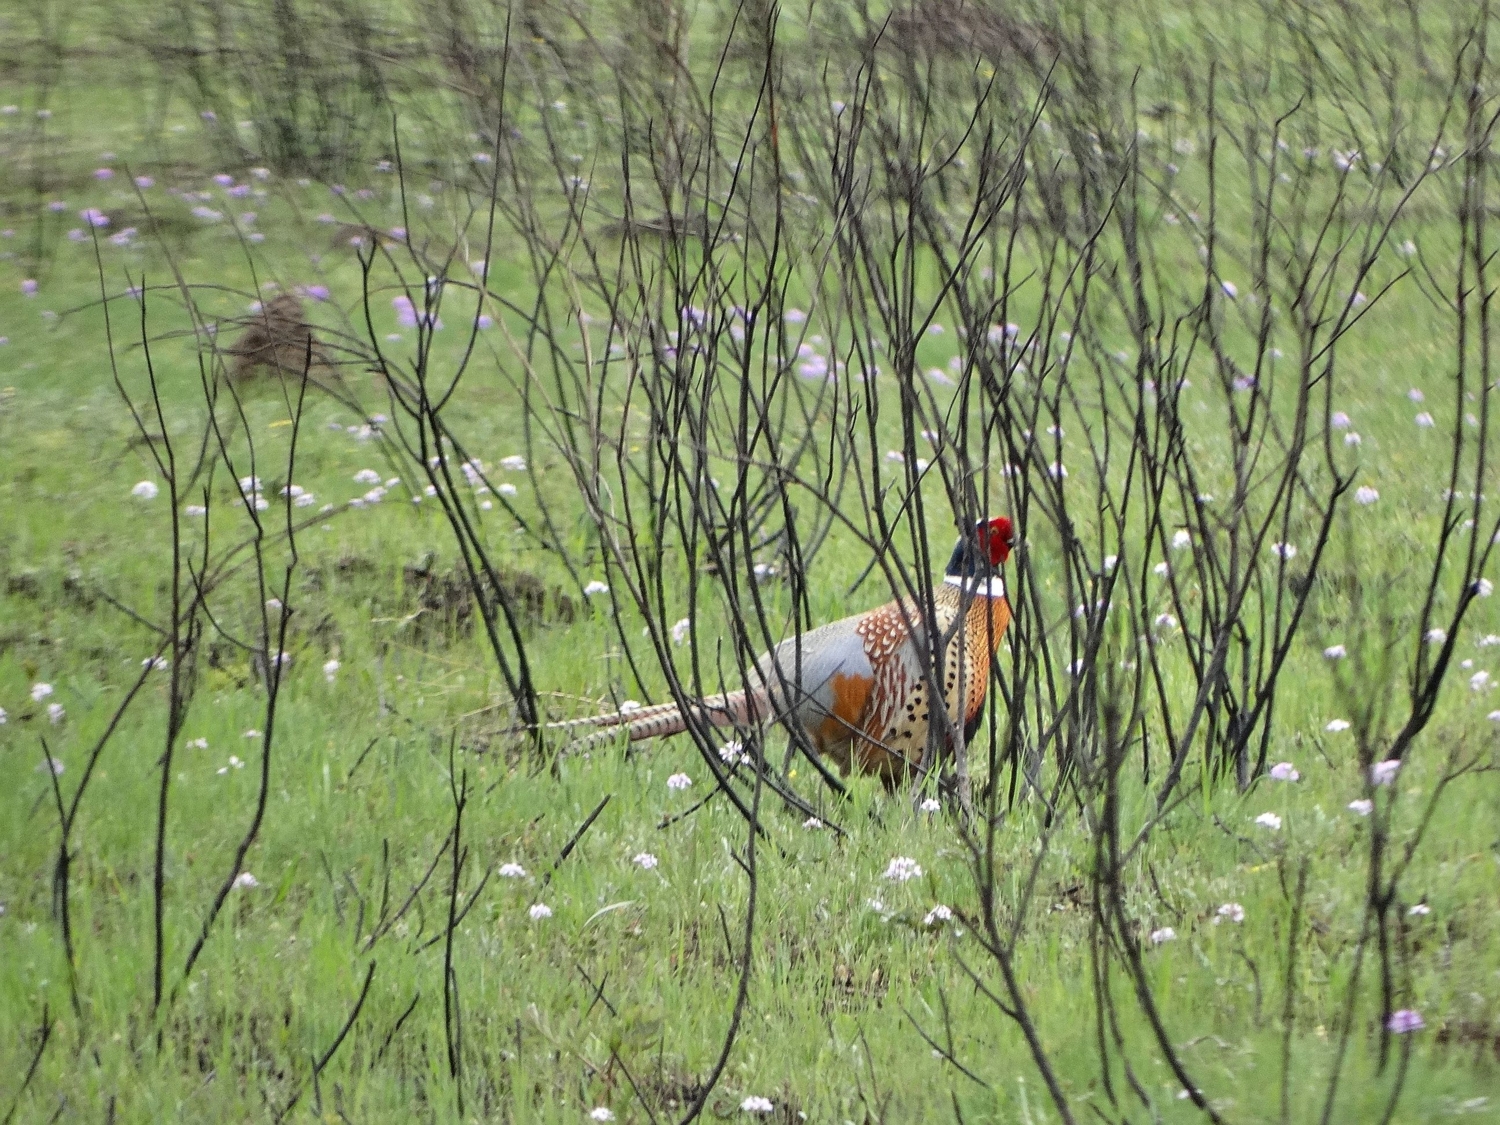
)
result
[(601, 978)]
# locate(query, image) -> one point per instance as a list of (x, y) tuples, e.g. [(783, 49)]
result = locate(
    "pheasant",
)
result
[(858, 688)]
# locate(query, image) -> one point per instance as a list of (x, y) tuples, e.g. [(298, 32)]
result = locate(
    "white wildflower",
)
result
[(1165, 934), (901, 869), (367, 476), (601, 1113), (1230, 912), (1285, 771), (1419, 910), (929, 805), (680, 631), (1479, 681), (732, 753), (1364, 494), (1435, 636), (595, 587), (246, 881), (55, 713), (1362, 806), (40, 692), (756, 1104), (1383, 773), (938, 913), (679, 781), (511, 871), (146, 490), (1269, 820), (515, 463), (812, 824), (539, 910), (1336, 725), (645, 861), (330, 670)]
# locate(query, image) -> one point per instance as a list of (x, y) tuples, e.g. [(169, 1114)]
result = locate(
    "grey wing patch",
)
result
[(808, 669)]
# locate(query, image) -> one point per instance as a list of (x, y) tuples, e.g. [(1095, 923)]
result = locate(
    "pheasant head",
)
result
[(983, 551)]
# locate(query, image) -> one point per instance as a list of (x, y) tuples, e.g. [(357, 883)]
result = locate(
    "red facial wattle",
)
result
[(996, 537)]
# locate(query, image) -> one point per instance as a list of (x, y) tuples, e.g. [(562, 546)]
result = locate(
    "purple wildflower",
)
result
[(1405, 1020)]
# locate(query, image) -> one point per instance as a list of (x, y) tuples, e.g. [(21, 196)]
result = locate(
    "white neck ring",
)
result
[(993, 587)]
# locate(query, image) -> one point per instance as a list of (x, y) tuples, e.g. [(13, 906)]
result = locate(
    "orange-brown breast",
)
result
[(984, 626)]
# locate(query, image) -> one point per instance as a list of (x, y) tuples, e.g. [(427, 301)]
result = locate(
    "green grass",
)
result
[(360, 770)]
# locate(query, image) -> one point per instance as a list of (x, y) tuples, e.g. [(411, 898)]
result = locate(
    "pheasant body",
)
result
[(859, 687)]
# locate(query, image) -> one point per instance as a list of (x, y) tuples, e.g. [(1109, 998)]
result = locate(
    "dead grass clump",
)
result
[(278, 338), (964, 28)]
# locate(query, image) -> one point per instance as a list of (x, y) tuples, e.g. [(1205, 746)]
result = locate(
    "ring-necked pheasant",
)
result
[(859, 689)]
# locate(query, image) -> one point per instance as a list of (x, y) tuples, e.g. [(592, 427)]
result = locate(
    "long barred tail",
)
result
[(666, 719)]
